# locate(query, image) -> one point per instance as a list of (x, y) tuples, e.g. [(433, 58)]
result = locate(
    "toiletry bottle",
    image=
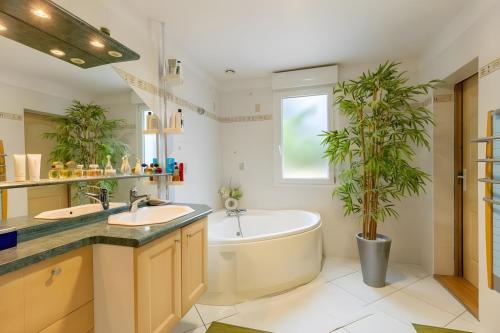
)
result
[(54, 171), (125, 168), (79, 171), (19, 167), (181, 172), (176, 177), (170, 165), (34, 161), (137, 168), (178, 68), (178, 119)]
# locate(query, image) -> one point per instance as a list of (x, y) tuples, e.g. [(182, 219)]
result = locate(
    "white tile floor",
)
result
[(338, 301)]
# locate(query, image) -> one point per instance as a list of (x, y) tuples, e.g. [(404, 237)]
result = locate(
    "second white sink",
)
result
[(150, 215), (72, 212)]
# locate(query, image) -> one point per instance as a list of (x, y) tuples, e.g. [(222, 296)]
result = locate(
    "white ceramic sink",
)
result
[(150, 215), (72, 212)]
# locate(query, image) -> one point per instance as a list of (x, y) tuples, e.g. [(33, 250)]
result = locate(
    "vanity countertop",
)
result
[(40, 240)]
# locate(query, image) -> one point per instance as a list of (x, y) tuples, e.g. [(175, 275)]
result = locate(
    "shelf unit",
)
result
[(47, 182)]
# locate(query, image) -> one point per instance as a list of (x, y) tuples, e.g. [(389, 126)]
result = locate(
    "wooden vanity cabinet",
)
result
[(171, 274), (158, 284), (52, 296), (194, 263)]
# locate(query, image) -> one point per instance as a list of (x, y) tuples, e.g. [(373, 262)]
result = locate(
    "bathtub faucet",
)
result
[(235, 212)]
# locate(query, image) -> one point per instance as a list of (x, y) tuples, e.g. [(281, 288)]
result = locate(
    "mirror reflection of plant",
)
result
[(85, 135), (378, 144)]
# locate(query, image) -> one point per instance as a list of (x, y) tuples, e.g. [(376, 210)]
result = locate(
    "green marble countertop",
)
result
[(39, 240)]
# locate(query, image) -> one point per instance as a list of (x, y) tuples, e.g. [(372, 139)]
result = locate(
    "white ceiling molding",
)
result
[(318, 76)]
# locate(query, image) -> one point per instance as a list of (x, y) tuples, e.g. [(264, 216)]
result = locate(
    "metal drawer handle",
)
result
[(189, 235), (177, 240), (56, 271)]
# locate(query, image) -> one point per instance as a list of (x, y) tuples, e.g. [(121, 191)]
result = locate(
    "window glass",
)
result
[(304, 118), (148, 143)]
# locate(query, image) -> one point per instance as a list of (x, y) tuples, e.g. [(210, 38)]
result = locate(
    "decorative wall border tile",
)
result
[(10, 116), (136, 82), (239, 119), (446, 98), (489, 68), (154, 90)]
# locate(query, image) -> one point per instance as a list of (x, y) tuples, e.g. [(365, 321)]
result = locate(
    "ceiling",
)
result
[(258, 37)]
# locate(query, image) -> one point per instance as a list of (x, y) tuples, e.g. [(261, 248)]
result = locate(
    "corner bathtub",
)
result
[(278, 250)]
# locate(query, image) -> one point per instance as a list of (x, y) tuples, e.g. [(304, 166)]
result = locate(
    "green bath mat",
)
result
[(432, 329), (217, 327)]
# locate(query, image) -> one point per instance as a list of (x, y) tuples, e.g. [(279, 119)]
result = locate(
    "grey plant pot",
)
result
[(374, 256)]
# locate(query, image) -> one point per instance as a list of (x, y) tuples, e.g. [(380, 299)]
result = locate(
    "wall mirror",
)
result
[(35, 88)]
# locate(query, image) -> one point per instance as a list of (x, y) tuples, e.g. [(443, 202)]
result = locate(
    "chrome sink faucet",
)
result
[(102, 197), (136, 199), (235, 212)]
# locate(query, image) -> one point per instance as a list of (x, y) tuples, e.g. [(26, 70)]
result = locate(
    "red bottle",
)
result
[(181, 172)]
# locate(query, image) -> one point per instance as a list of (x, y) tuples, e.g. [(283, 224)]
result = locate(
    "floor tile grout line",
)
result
[(429, 303), (199, 314), (362, 300), (352, 322), (340, 277), (448, 323), (425, 301)]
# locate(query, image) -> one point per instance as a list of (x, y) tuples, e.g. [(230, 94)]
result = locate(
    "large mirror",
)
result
[(42, 97)]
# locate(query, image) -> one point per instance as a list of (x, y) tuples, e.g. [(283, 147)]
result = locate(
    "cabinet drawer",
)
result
[(12, 302), (79, 321), (56, 287)]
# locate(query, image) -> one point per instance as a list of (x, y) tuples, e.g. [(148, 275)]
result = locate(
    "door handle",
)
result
[(463, 177)]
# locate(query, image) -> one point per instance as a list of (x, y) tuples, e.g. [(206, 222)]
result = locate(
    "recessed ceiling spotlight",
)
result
[(77, 61), (97, 43), (115, 54), (230, 71), (40, 13), (3, 27), (57, 53)]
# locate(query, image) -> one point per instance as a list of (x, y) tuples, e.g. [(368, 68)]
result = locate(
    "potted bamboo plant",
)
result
[(375, 152)]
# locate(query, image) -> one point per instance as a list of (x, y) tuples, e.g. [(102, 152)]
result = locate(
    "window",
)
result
[(148, 142), (302, 115)]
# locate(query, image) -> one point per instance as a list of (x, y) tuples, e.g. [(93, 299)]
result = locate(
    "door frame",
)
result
[(458, 188)]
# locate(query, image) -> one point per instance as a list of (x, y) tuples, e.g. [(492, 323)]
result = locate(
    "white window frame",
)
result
[(278, 96)]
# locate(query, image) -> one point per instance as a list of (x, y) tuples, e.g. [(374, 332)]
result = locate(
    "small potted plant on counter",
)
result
[(231, 196), (375, 152)]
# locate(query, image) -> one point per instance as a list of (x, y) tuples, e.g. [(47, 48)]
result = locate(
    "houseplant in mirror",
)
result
[(85, 135), (375, 153)]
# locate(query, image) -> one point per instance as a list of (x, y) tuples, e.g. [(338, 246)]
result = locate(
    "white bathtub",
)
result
[(278, 250)]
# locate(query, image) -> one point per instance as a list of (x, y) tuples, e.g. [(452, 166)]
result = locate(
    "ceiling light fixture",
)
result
[(115, 54), (40, 13), (57, 53), (77, 61), (3, 27), (97, 43), (230, 71)]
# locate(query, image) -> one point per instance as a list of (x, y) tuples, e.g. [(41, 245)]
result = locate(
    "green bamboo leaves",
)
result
[(377, 147)]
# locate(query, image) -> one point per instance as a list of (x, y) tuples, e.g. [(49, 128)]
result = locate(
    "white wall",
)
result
[(15, 100), (472, 36), (252, 144)]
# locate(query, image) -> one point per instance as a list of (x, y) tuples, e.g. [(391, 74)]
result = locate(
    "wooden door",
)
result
[(194, 263), (42, 198), (158, 284), (467, 244)]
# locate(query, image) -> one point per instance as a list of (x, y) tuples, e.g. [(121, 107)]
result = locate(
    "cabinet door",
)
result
[(12, 302), (194, 263), (56, 287), (158, 284)]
